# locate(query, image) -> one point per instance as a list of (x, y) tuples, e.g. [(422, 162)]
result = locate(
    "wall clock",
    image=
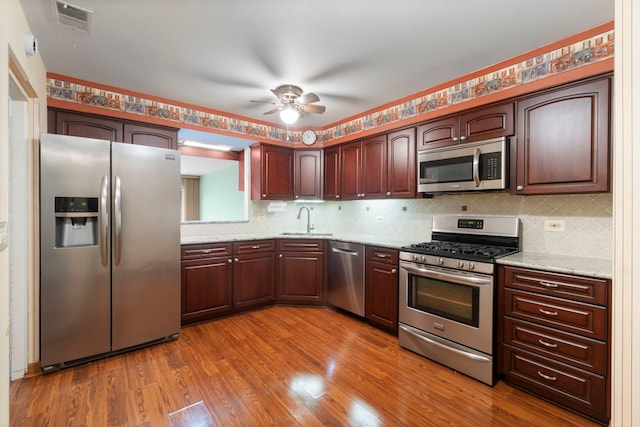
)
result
[(309, 137)]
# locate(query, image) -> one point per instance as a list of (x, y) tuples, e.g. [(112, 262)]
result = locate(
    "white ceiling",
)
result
[(354, 54)]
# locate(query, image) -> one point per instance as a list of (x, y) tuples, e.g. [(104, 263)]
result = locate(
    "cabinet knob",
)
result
[(264, 196), (393, 270), (236, 260), (388, 193), (337, 196), (455, 138), (520, 187), (462, 138), (230, 261), (280, 256)]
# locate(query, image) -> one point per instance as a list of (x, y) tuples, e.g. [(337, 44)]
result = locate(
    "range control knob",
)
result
[(460, 264), (471, 266), (440, 261)]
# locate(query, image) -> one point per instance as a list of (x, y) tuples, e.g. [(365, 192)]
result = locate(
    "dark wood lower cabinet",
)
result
[(381, 288), (206, 281), (301, 266), (553, 340), (254, 274)]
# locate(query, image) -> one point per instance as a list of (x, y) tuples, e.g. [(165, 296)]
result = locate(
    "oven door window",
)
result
[(453, 301)]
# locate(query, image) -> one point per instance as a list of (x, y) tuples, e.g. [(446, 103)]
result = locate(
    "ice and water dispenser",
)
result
[(76, 221)]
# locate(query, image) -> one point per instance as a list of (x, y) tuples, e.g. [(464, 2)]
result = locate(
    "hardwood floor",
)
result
[(279, 366)]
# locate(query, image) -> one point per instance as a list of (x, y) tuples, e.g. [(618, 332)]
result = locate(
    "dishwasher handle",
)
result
[(344, 251)]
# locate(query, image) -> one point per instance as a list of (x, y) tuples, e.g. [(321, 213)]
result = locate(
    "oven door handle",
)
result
[(466, 354), (456, 278)]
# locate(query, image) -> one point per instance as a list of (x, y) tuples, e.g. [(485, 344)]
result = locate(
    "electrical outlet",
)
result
[(554, 225), (380, 218)]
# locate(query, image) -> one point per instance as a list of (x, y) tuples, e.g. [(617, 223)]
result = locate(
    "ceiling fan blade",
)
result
[(275, 110), (318, 109), (308, 98), (264, 102)]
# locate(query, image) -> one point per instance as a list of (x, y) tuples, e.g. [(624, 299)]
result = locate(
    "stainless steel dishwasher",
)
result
[(346, 276)]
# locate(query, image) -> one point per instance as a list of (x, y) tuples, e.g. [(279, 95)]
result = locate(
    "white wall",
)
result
[(30, 74)]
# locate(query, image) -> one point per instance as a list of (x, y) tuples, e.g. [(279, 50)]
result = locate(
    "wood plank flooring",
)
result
[(279, 366)]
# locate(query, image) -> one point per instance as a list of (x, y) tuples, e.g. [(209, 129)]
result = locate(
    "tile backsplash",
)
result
[(588, 219)]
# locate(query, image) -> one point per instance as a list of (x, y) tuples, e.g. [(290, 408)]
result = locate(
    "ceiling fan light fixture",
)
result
[(289, 115)]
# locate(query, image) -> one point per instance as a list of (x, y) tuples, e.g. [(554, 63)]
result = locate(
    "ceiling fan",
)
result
[(292, 103)]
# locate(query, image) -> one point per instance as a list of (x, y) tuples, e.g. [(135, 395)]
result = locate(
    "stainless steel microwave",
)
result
[(470, 166)]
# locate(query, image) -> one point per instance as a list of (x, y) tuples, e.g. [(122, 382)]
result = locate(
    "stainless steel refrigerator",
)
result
[(109, 248)]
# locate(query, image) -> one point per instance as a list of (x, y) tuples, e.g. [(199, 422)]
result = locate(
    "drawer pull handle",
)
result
[(379, 255), (548, 313), (255, 247), (548, 344), (549, 285), (547, 377)]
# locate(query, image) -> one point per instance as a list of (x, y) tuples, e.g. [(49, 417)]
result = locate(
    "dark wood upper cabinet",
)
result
[(332, 177), (475, 125), (308, 174), (150, 136), (351, 170), (374, 167), (100, 127), (363, 168), (563, 140), (401, 164), (272, 172), (86, 126)]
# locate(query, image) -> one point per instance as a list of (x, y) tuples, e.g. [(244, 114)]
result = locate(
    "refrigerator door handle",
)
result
[(104, 217), (117, 208)]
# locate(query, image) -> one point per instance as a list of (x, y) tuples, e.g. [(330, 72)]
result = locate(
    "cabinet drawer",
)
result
[(577, 288), (300, 245), (575, 350), (584, 319), (207, 250), (378, 254), (573, 388), (253, 246)]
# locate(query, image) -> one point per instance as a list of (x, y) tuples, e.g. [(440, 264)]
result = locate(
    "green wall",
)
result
[(220, 199)]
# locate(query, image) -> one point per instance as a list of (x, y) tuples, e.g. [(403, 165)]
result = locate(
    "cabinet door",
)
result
[(351, 171), (401, 164), (374, 167), (381, 294), (87, 126), (206, 288), (308, 174), (563, 140), (271, 173), (300, 277), (439, 133), (486, 123), (151, 136), (332, 173), (253, 280)]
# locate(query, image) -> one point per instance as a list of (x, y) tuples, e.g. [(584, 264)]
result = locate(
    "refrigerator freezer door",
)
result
[(74, 274), (146, 242)]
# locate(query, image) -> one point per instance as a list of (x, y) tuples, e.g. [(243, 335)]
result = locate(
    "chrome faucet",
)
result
[(309, 226)]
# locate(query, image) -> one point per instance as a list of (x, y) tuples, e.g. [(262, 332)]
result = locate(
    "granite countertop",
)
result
[(374, 240), (592, 267)]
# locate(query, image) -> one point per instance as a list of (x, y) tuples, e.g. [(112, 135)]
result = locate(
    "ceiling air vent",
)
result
[(73, 16)]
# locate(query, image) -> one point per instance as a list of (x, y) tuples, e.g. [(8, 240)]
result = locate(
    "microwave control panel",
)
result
[(491, 166)]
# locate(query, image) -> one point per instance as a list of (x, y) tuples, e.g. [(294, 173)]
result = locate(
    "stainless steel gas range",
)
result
[(447, 291)]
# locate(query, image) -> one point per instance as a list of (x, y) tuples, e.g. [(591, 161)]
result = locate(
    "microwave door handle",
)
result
[(476, 167)]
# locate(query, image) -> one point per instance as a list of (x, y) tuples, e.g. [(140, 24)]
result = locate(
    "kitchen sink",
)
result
[(294, 233)]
